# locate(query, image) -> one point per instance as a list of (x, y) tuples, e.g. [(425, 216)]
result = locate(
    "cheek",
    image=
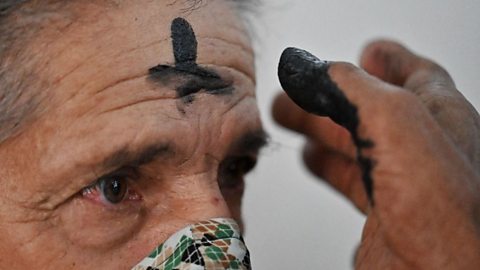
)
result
[(190, 198), (93, 226)]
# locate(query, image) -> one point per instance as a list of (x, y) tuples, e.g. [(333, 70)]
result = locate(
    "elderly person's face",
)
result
[(122, 154)]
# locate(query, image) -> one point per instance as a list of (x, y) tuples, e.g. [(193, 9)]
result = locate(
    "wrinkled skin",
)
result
[(426, 201), (99, 101)]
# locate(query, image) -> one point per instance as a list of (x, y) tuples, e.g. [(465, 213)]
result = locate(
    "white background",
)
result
[(294, 221)]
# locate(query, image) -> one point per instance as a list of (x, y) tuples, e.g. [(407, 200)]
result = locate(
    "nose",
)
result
[(191, 200)]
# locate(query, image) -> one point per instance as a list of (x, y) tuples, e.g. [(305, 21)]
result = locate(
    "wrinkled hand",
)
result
[(399, 141)]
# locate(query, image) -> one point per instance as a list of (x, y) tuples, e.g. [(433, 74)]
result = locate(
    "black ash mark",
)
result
[(306, 81), (184, 43), (188, 77)]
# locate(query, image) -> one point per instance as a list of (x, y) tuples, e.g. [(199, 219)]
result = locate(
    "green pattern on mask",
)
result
[(224, 231), (235, 265), (155, 252), (175, 260), (215, 253), (211, 245)]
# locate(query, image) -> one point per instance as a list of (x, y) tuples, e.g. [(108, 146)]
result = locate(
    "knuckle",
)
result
[(436, 72), (438, 104), (429, 77), (431, 66)]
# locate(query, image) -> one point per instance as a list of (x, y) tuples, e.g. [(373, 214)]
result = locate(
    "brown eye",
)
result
[(113, 189)]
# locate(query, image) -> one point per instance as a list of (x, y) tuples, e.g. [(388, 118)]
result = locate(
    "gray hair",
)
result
[(16, 103)]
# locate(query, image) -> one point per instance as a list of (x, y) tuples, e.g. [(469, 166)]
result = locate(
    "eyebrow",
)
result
[(250, 142), (136, 158)]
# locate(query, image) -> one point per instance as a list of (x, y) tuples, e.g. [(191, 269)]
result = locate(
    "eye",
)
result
[(111, 189), (233, 170)]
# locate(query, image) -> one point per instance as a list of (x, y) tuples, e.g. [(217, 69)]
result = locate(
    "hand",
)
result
[(400, 142)]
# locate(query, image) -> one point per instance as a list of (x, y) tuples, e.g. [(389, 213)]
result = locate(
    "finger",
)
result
[(395, 64), (340, 91), (389, 61), (320, 129), (340, 171), (313, 85)]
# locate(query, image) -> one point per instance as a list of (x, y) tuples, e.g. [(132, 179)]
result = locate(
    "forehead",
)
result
[(97, 40), (101, 48), (98, 64)]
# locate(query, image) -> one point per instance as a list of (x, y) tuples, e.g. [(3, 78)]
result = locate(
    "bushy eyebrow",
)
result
[(250, 142), (135, 158)]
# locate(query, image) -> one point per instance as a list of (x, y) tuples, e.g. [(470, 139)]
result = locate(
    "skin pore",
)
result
[(111, 167)]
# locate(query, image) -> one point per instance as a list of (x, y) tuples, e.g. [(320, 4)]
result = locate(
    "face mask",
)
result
[(211, 245)]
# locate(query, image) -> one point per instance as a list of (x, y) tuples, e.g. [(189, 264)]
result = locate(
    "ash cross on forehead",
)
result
[(193, 77)]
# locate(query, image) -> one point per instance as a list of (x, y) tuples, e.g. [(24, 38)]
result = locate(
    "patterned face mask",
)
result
[(211, 245)]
